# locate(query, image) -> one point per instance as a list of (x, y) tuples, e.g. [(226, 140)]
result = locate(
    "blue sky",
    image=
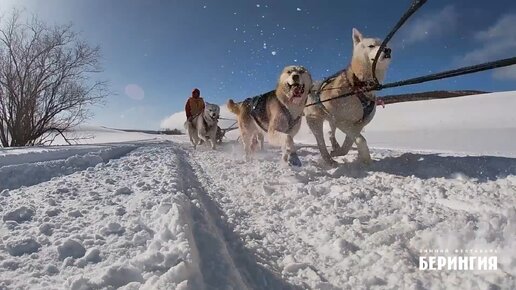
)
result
[(155, 52)]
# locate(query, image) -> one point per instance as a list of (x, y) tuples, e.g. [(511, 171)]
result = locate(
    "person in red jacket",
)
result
[(195, 105)]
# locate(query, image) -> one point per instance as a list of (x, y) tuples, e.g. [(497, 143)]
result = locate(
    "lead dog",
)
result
[(204, 126), (276, 114), (348, 114)]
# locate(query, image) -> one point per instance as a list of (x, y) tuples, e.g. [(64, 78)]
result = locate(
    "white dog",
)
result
[(204, 126), (349, 114)]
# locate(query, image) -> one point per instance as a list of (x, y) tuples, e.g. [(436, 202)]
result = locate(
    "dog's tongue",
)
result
[(298, 91)]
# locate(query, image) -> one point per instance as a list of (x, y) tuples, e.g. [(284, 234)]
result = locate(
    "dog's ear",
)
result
[(357, 36)]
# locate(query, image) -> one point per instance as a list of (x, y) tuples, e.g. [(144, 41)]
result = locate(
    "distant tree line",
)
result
[(171, 132)]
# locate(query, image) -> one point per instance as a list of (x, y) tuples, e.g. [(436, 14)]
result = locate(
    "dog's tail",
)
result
[(233, 107)]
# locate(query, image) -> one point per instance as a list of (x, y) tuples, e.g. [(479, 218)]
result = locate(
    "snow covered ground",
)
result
[(152, 213)]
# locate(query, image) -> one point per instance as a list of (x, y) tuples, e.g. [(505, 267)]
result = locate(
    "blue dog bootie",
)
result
[(293, 159)]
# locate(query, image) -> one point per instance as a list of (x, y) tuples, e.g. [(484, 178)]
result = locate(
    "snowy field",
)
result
[(149, 212)]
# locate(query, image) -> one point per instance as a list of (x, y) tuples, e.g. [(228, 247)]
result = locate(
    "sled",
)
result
[(222, 132)]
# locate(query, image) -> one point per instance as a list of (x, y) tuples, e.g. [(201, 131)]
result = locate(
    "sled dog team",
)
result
[(278, 113)]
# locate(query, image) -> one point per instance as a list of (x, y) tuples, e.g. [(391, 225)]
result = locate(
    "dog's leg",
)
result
[(334, 143), (260, 138), (191, 135), (258, 142), (351, 131), (346, 146), (203, 136), (213, 139), (316, 126), (194, 140), (287, 145), (247, 139), (284, 140), (254, 143), (356, 137), (363, 150)]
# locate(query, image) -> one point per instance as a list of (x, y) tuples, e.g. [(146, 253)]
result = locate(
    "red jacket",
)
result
[(194, 106)]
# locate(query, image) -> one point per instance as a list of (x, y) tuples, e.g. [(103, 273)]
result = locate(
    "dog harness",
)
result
[(356, 86), (258, 111)]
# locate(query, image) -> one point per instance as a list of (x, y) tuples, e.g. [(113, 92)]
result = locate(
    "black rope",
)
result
[(416, 4), (412, 9), (453, 73), (437, 76), (231, 127)]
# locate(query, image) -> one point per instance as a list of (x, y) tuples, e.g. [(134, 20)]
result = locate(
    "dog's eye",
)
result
[(371, 46)]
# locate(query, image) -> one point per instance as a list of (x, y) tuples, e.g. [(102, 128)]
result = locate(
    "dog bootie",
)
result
[(293, 159)]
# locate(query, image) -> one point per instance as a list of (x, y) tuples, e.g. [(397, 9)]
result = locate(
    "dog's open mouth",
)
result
[(297, 90)]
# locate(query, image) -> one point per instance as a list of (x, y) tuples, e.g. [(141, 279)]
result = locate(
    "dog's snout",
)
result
[(387, 51), (295, 78)]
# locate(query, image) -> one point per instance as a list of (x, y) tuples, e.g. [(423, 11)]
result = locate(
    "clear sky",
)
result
[(155, 51)]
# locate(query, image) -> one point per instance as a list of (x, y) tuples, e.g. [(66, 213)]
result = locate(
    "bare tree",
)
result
[(46, 80)]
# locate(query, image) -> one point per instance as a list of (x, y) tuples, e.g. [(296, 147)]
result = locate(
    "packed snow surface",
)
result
[(152, 213)]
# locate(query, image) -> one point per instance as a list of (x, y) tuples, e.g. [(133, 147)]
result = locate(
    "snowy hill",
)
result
[(152, 213)]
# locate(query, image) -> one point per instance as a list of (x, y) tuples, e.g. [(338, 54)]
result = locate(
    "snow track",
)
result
[(225, 261), (358, 228), (143, 221)]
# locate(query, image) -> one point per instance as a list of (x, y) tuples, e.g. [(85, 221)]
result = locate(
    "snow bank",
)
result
[(25, 174), (13, 156)]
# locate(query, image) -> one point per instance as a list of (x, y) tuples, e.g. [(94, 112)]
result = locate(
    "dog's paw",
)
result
[(293, 160)]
